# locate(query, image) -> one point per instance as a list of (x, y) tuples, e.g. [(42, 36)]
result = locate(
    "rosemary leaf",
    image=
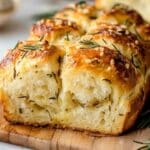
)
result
[(20, 110), (104, 41), (115, 47), (14, 74), (24, 54), (45, 15), (16, 45), (67, 36), (89, 44), (116, 5), (32, 47), (52, 98), (26, 97), (127, 23), (41, 38), (144, 145), (135, 61)]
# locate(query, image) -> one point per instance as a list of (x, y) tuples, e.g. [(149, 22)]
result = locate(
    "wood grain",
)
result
[(56, 139)]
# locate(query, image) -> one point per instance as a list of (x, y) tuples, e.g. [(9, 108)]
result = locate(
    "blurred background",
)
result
[(21, 18)]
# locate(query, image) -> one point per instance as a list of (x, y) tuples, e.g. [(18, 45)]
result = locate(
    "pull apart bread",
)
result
[(83, 69)]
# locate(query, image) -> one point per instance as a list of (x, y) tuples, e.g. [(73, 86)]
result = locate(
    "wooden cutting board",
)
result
[(57, 139)]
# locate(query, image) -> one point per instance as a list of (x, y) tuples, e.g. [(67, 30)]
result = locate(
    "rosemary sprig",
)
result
[(89, 44), (45, 15), (144, 145)]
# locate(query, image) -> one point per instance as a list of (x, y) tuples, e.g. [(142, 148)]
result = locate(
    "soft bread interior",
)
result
[(91, 103), (32, 95)]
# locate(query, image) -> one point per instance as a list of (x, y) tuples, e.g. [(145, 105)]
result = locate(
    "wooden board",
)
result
[(57, 139)]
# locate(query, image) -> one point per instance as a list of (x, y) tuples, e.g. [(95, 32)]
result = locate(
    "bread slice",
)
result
[(95, 79), (142, 6)]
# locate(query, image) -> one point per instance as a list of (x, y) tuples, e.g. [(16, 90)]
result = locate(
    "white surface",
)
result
[(18, 29)]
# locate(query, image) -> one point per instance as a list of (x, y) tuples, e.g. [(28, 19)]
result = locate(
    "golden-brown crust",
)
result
[(103, 60), (29, 49), (52, 25), (144, 31), (120, 35)]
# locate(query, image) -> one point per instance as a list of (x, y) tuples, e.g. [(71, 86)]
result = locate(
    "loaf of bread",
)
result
[(84, 69), (142, 6)]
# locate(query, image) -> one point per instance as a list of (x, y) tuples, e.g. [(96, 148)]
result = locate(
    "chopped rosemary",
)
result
[(52, 98), (20, 110), (14, 73), (121, 6), (107, 80), (24, 54), (104, 41), (144, 145), (116, 5), (115, 47), (16, 45), (41, 38), (48, 114), (127, 23), (67, 36), (89, 44), (51, 75), (32, 47), (45, 15), (93, 17), (26, 97), (135, 61)]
